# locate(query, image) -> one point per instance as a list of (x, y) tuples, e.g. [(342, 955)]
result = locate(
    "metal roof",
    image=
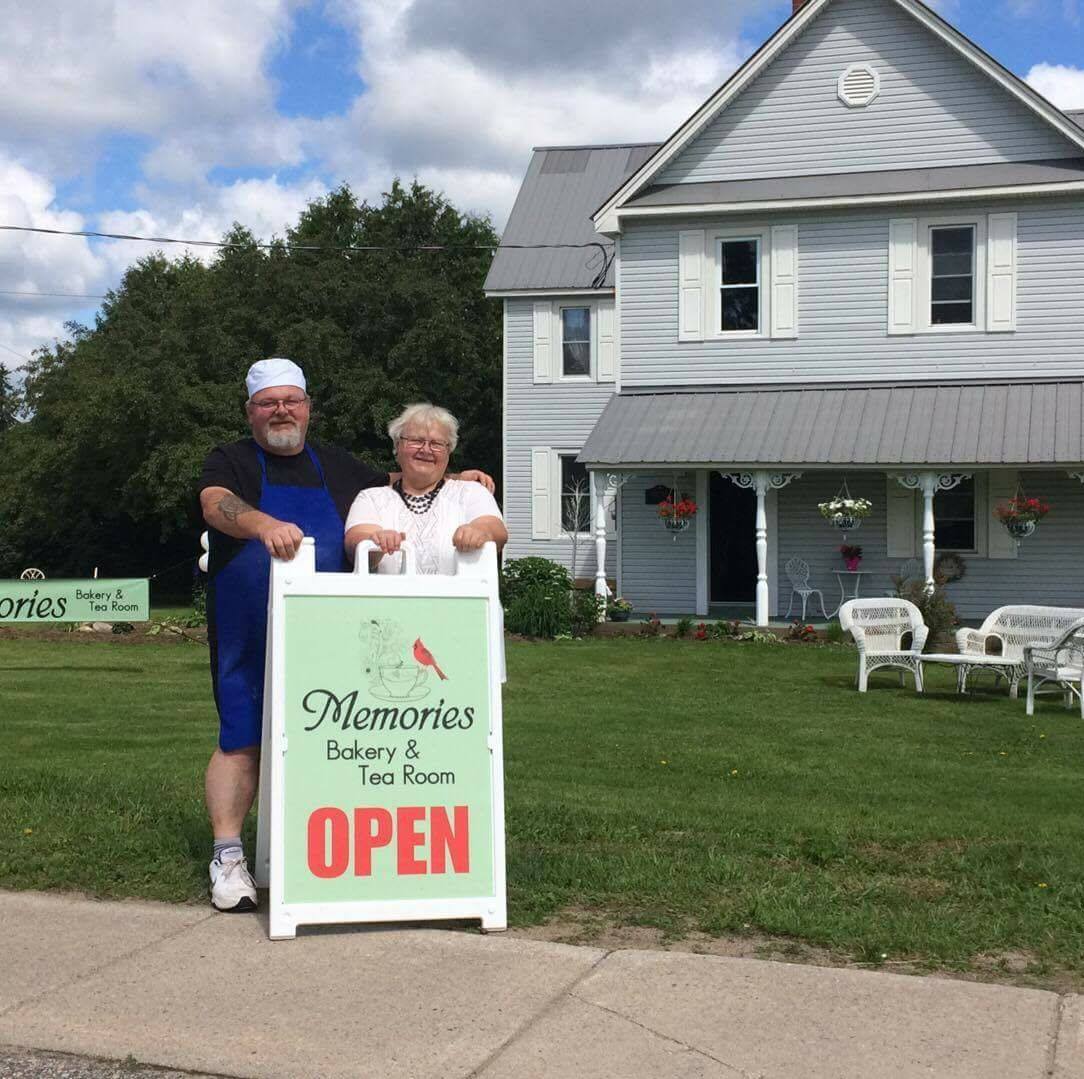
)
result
[(1002, 424), (562, 187), (857, 184)]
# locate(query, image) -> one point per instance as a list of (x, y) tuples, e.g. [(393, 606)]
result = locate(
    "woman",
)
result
[(437, 515)]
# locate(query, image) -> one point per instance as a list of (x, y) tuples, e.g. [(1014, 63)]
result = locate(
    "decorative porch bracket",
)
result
[(762, 482), (600, 493), (1077, 476), (929, 483)]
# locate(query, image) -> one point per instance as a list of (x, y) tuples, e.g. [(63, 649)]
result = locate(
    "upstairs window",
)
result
[(739, 285), (952, 275), (576, 342)]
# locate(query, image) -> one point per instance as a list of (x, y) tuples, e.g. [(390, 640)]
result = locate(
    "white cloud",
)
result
[(466, 125), (1063, 85), (71, 73), (36, 264)]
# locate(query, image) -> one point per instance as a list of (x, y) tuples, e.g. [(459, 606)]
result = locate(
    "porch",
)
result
[(757, 513)]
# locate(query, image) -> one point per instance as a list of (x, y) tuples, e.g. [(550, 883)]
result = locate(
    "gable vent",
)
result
[(859, 85)]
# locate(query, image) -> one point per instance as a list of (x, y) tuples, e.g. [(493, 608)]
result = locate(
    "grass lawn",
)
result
[(712, 787)]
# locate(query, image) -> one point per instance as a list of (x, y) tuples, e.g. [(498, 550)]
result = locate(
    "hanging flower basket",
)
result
[(676, 516), (845, 513), (1021, 515)]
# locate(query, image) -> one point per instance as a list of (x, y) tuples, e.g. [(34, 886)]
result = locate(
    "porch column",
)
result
[(598, 516), (929, 483), (762, 482)]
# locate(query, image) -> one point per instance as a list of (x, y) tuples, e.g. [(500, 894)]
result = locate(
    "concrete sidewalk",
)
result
[(184, 988)]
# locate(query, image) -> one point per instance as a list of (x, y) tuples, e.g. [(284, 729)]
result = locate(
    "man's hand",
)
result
[(473, 475), (388, 540), (281, 538), (469, 537)]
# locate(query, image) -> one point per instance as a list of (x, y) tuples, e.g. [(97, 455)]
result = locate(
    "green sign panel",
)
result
[(123, 600), (387, 791)]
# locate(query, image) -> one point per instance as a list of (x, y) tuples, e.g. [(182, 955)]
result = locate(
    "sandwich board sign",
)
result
[(382, 793)]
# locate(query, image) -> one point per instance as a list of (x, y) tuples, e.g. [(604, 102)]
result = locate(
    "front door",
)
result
[(732, 542)]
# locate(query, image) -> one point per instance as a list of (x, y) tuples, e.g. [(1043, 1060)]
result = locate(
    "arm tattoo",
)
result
[(231, 507)]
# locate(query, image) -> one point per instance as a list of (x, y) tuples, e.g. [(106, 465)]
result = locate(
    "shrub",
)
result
[(937, 612), (836, 634), (586, 611), (537, 598), (683, 627)]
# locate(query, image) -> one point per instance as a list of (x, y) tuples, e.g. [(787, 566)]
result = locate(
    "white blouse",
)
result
[(430, 534)]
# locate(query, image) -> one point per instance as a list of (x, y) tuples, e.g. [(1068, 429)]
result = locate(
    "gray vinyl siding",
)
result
[(843, 303), (556, 415), (658, 572), (1047, 569), (934, 108)]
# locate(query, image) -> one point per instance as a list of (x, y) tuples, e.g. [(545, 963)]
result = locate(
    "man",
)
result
[(261, 496)]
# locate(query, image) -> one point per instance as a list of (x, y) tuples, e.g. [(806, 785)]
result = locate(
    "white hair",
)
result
[(425, 414)]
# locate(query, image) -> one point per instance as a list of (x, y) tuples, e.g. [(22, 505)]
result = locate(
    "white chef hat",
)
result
[(273, 372)]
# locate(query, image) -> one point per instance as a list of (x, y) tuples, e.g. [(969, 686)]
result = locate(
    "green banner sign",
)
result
[(125, 600), (388, 790)]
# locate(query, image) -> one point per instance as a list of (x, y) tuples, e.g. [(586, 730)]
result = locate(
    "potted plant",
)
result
[(852, 556), (618, 610), (844, 512), (676, 515), (1021, 515)]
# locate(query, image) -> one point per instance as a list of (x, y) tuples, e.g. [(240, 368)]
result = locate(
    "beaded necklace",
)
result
[(417, 504)]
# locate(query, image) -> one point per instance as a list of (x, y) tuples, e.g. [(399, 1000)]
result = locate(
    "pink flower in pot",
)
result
[(852, 556)]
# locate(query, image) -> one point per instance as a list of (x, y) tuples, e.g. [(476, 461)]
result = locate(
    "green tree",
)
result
[(121, 414)]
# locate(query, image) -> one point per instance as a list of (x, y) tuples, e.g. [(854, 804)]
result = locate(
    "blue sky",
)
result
[(181, 119)]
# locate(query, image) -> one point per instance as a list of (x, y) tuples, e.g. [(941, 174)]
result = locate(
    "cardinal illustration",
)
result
[(425, 658)]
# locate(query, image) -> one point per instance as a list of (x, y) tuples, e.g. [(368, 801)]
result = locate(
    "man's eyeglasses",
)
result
[(291, 404), (433, 443)]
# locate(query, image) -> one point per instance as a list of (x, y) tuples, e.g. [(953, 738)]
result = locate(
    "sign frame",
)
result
[(476, 577), (73, 599)]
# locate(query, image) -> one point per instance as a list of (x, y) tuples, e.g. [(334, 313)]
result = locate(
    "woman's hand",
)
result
[(477, 476), (388, 540), (469, 537)]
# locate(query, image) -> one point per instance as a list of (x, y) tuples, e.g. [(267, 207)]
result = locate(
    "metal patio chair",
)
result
[(797, 571)]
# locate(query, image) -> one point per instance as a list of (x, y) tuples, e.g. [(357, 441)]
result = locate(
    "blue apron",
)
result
[(240, 602)]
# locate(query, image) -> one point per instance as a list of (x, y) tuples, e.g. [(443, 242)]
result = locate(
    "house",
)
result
[(858, 267)]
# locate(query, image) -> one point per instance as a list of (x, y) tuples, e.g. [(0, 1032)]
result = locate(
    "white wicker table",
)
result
[(966, 664)]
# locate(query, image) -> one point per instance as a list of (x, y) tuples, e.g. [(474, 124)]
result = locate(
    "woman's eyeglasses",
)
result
[(433, 443)]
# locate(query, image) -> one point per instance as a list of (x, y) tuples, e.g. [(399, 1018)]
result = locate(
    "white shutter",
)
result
[(1001, 487), (902, 274), (543, 341), (541, 493), (784, 262), (900, 504), (1001, 273), (607, 341), (691, 285)]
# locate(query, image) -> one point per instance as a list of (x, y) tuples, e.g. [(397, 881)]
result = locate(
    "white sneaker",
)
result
[(232, 887)]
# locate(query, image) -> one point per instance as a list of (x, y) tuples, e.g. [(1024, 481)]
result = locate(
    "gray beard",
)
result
[(285, 438)]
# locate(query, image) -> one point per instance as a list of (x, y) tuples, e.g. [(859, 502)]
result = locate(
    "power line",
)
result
[(67, 295), (605, 249), (14, 353)]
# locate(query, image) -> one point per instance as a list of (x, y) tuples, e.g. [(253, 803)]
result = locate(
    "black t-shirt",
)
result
[(236, 467)]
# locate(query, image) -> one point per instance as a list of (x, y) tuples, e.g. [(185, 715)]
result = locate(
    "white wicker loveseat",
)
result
[(1060, 662), (879, 627), (1012, 629)]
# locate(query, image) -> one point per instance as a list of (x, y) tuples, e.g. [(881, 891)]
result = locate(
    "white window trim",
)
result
[(714, 303), (557, 531), (925, 272), (558, 342)]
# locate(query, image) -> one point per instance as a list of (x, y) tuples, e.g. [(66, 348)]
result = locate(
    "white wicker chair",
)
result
[(1061, 662), (797, 571), (878, 627), (1015, 628)]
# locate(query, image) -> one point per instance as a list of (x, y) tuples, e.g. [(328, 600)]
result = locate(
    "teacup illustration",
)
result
[(401, 682)]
